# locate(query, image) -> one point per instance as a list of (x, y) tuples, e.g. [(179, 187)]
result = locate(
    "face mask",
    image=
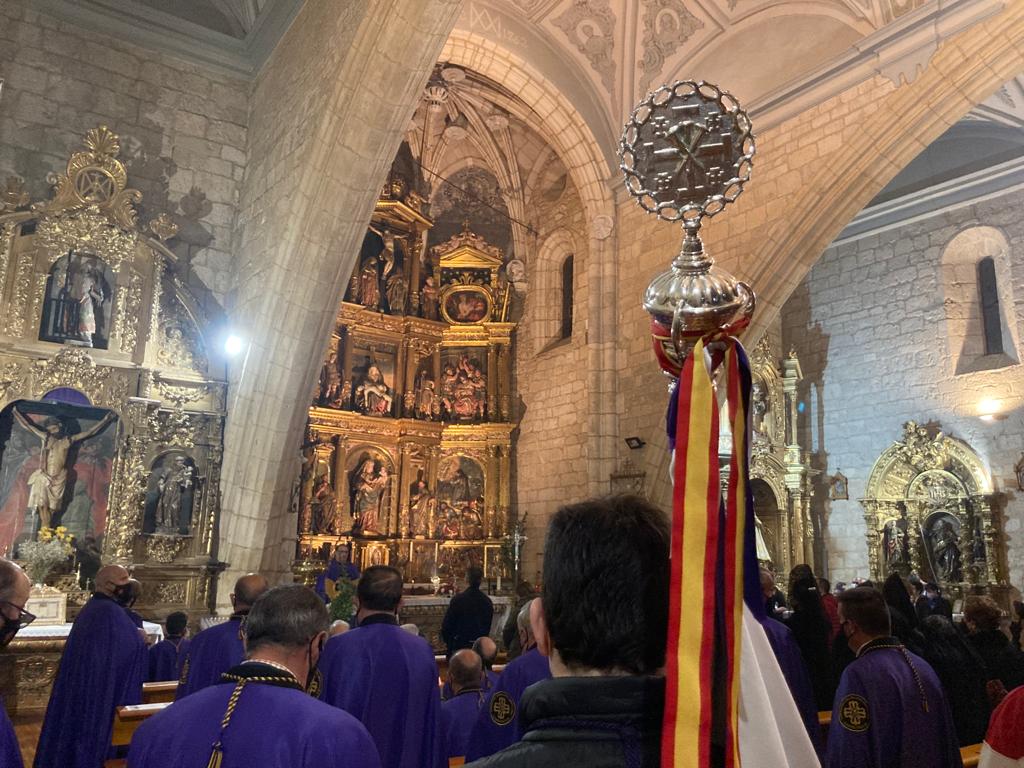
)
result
[(313, 678), (123, 595), (8, 629)]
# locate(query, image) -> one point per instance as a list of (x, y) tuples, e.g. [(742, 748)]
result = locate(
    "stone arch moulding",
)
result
[(961, 301), (545, 298), (930, 509)]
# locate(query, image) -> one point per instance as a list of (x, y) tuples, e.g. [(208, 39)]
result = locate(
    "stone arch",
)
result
[(961, 259), (544, 300)]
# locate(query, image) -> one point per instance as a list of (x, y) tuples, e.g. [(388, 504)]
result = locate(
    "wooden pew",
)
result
[(154, 693), (825, 719), (970, 755), (128, 719)]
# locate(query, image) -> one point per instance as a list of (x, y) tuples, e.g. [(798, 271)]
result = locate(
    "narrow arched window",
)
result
[(989, 294), (566, 329)]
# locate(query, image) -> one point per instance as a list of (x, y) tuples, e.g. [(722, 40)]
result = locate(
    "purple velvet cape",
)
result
[(211, 653), (272, 727), (488, 682), (487, 736), (165, 659), (10, 752), (103, 667), (458, 715), (387, 679), (897, 732), (787, 652)]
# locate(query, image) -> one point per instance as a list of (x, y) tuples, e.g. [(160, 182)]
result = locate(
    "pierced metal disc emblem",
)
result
[(686, 151)]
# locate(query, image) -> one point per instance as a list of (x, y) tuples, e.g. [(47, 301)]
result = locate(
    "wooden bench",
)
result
[(128, 719), (154, 693)]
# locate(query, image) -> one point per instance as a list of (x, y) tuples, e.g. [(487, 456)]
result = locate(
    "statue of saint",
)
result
[(420, 499), (330, 380), (172, 516), (368, 485), (373, 396), (472, 521), (87, 291), (429, 299), (759, 407), (369, 283), (47, 484), (946, 549), (895, 545), (397, 289), (425, 399), (323, 504)]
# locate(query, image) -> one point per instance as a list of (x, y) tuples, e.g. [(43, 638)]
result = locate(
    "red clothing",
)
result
[(1004, 742), (831, 606)]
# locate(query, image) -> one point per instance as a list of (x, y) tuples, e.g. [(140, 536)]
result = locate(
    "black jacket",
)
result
[(1002, 661), (597, 722), (468, 617)]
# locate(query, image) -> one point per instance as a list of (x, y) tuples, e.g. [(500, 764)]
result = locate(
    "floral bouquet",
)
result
[(52, 547)]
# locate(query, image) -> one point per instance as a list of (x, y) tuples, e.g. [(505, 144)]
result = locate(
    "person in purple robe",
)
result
[(217, 649), (791, 662), (260, 713), (460, 710), (497, 726), (890, 710), (102, 668), (386, 677), (340, 566), (165, 657), (487, 650), (14, 592)]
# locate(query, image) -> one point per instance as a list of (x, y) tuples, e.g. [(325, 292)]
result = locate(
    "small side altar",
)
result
[(427, 613)]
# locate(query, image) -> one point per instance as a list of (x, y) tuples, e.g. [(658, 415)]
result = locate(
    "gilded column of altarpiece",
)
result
[(111, 406), (409, 445)]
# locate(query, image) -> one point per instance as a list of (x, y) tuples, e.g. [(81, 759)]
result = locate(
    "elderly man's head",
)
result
[(464, 670), (247, 590), (115, 582), (487, 650), (14, 591), (287, 625)]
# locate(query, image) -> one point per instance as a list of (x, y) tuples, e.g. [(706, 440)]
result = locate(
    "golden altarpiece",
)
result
[(409, 446), (780, 470), (930, 509), (111, 408)]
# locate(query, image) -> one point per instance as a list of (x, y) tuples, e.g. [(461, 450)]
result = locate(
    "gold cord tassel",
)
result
[(217, 755)]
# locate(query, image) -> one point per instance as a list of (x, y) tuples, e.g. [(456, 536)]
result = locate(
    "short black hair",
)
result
[(176, 623), (606, 577), (380, 588), (290, 615), (866, 607), (474, 575)]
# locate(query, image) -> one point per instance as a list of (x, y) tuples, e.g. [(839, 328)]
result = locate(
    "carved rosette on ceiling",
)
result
[(667, 26), (590, 26)]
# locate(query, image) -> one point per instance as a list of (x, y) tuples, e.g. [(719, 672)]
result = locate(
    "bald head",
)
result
[(465, 670), (110, 577), (487, 650), (247, 589), (14, 590)]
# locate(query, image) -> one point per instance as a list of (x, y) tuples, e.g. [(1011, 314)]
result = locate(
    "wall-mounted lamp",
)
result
[(635, 443)]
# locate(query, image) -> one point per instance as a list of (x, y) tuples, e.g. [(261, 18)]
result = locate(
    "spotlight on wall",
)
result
[(989, 410), (233, 345), (635, 443)]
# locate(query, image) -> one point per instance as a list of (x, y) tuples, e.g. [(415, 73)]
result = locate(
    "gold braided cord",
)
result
[(913, 670)]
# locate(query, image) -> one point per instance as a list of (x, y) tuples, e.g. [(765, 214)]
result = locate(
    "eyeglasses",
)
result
[(24, 617)]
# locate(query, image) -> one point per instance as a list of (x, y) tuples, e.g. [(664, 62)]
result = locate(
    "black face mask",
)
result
[(8, 629), (123, 595), (313, 677)]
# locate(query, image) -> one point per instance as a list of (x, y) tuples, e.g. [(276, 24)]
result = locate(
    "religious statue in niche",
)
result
[(170, 495), (463, 390), (79, 295), (429, 299), (323, 503), (330, 381), (47, 472), (369, 283), (426, 404), (944, 544), (758, 407), (459, 499), (895, 543), (373, 394), (421, 504), (466, 306), (368, 485)]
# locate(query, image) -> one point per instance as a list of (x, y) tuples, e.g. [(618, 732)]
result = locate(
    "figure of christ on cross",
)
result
[(47, 484)]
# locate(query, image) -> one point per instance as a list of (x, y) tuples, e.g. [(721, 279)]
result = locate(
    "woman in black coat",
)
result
[(963, 676), (812, 631)]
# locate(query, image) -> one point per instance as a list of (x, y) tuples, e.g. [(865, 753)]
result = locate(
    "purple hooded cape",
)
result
[(787, 652), (497, 725), (211, 653), (879, 718), (10, 752), (103, 667), (165, 659), (271, 727), (458, 715), (387, 679)]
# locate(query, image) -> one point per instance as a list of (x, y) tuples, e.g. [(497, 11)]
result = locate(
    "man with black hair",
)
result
[(459, 712), (601, 621), (14, 592), (386, 677), (103, 667), (890, 710), (260, 713), (166, 656), (469, 614), (217, 649), (497, 726)]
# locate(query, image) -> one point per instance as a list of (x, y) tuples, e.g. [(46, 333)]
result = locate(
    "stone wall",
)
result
[(871, 325), (182, 127)]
